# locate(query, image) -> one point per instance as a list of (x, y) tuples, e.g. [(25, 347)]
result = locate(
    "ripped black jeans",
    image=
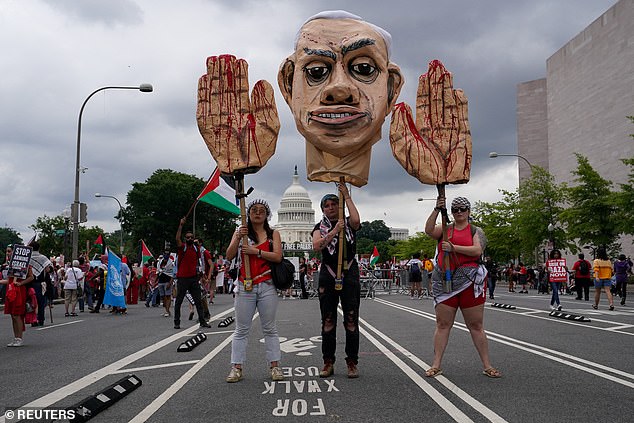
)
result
[(329, 298)]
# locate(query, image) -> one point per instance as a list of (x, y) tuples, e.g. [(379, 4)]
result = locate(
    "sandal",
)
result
[(594, 306), (492, 372), (433, 372)]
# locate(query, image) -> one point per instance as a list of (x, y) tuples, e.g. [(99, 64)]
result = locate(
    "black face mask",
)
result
[(190, 242)]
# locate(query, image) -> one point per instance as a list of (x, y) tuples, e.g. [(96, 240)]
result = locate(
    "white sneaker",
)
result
[(17, 342), (552, 307), (166, 315)]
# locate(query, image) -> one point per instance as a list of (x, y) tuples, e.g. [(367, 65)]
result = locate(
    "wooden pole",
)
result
[(342, 237), (248, 282), (445, 255)]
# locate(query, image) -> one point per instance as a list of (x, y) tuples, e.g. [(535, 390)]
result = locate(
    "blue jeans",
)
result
[(262, 298), (554, 299), (152, 297)]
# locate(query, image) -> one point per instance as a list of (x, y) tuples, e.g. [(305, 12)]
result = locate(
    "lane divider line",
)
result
[(533, 349), (475, 404), (83, 382)]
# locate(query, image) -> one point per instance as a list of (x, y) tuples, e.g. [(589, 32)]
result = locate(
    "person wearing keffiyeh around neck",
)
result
[(461, 246), (326, 239)]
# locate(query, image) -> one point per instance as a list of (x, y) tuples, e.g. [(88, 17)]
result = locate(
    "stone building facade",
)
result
[(582, 104)]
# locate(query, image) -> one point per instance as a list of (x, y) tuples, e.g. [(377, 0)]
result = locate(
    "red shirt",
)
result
[(260, 270), (187, 262), (576, 267), (458, 237)]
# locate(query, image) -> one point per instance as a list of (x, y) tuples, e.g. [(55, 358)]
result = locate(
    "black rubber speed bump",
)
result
[(226, 322), (506, 306), (569, 316), (192, 342), (90, 406)]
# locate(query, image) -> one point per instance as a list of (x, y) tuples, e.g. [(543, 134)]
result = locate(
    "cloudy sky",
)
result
[(56, 52)]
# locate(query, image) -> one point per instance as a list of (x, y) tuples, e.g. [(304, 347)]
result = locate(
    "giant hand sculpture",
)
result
[(437, 148)]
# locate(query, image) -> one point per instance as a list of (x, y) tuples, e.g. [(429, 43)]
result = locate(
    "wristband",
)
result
[(259, 253)]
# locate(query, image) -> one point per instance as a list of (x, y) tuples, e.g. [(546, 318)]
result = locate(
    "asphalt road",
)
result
[(553, 369)]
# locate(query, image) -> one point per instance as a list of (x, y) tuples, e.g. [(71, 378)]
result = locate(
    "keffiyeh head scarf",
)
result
[(460, 202)]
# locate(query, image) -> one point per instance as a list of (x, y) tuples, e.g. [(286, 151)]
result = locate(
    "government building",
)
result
[(296, 218)]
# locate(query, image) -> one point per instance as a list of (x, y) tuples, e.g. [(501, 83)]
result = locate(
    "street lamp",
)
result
[(120, 217), (551, 229), (145, 88), (493, 155)]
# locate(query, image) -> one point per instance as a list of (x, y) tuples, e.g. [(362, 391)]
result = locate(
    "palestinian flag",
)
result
[(145, 253), (219, 194), (99, 243), (374, 258)]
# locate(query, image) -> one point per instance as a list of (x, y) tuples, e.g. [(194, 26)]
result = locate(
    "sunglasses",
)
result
[(459, 209), (189, 237)]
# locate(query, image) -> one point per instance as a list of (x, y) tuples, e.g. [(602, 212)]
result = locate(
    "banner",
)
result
[(114, 294)]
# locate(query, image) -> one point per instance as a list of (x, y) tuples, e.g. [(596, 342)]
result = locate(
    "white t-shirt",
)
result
[(73, 274)]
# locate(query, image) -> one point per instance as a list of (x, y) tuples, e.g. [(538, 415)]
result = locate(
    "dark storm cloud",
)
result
[(78, 46)]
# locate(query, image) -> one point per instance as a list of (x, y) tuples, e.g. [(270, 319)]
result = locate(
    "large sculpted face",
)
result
[(340, 85)]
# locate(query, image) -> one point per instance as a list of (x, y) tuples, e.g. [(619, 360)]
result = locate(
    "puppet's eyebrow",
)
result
[(357, 45), (317, 52)]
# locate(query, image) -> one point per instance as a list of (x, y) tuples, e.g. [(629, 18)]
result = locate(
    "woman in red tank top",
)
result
[(458, 283), (257, 293)]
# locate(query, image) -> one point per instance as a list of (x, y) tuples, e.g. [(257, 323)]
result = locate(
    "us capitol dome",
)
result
[(296, 217)]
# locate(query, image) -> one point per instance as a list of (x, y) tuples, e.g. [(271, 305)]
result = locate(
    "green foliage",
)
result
[(375, 230), (419, 243), (156, 206), (55, 236), (499, 221), (539, 205), (624, 199), (591, 217), (9, 236)]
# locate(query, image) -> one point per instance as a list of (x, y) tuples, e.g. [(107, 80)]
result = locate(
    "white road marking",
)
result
[(81, 383), (157, 366), (61, 324), (159, 401), (547, 353), (429, 390)]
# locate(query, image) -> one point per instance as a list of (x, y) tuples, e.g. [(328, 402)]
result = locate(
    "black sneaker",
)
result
[(177, 326), (205, 325), (559, 308)]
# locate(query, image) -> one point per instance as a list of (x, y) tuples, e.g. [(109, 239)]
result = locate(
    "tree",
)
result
[(539, 205), (55, 235), (592, 216), (499, 223), (9, 236), (155, 207), (419, 243), (375, 230), (625, 198)]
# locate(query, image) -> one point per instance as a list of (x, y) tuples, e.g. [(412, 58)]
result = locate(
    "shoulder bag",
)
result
[(282, 273)]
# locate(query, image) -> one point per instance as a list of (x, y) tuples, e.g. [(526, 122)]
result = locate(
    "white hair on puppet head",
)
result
[(342, 14), (263, 203)]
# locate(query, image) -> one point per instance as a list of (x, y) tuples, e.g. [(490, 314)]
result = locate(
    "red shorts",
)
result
[(15, 306), (465, 299)]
